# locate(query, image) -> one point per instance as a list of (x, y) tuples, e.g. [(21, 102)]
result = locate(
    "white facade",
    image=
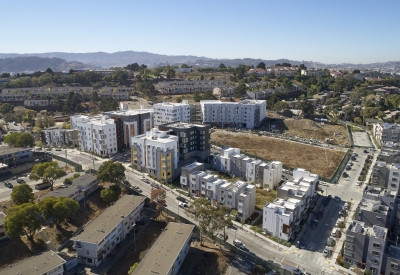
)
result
[(305, 176), (393, 183), (245, 114), (222, 162), (96, 134), (385, 132), (168, 112), (103, 234), (272, 174)]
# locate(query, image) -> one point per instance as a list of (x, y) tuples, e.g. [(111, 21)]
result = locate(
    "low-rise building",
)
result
[(156, 153), (60, 137), (354, 246), (385, 132), (78, 189), (168, 252), (3, 234), (46, 263), (14, 156), (168, 112), (101, 236)]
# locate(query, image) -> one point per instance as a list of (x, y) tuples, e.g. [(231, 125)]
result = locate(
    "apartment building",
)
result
[(376, 248), (130, 123), (11, 156), (354, 246), (156, 153), (168, 252), (96, 134), (280, 217), (78, 189), (54, 136), (222, 160), (386, 132), (261, 94), (168, 112), (194, 139), (102, 235), (188, 87), (3, 234), (392, 260), (244, 114), (237, 195), (45, 263), (224, 91), (386, 171)]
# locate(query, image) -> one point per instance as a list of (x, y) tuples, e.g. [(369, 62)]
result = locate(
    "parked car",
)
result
[(320, 215), (182, 199), (239, 244), (182, 204), (325, 252), (8, 184), (303, 245), (337, 198)]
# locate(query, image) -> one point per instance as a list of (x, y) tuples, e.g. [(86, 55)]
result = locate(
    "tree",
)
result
[(132, 268), (281, 105), (358, 120), (224, 219), (6, 108), (158, 195), (22, 193), (202, 212), (110, 194), (370, 112), (221, 66), (18, 139), (240, 90), (184, 66), (170, 72), (306, 107), (60, 208), (22, 220), (95, 97), (47, 172), (348, 112), (356, 71), (287, 113), (261, 65), (29, 115), (110, 171), (39, 122), (202, 77), (108, 104)]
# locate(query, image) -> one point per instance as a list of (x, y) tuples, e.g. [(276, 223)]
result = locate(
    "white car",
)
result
[(359, 183), (239, 244), (325, 253)]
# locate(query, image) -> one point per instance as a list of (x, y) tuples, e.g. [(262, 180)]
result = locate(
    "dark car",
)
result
[(345, 175), (303, 245), (325, 202), (313, 224), (320, 215), (366, 151)]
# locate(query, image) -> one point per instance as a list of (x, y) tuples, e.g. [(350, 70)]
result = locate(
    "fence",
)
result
[(78, 167), (341, 167)]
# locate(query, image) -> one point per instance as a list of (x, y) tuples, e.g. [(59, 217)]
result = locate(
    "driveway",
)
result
[(361, 139)]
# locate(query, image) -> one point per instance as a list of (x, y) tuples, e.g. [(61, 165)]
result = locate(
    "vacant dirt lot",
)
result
[(315, 159), (307, 128)]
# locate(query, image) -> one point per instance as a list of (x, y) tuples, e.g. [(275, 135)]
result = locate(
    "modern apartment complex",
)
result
[(230, 161), (188, 87), (46, 263), (3, 234), (54, 136), (385, 132), (237, 195), (168, 112), (245, 114), (130, 123), (168, 252), (194, 139), (386, 171), (96, 134), (156, 153), (102, 235)]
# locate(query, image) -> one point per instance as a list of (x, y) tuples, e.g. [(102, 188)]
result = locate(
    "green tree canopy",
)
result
[(281, 105), (261, 65), (60, 208), (18, 139), (108, 104), (240, 90), (370, 112), (221, 66), (110, 194), (22, 193), (306, 107), (111, 171), (47, 172), (6, 108), (22, 220)]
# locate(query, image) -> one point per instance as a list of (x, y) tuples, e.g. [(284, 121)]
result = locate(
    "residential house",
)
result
[(168, 252), (224, 91), (13, 156), (261, 94), (102, 235)]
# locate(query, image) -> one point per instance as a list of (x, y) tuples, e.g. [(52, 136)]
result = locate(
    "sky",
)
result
[(341, 31)]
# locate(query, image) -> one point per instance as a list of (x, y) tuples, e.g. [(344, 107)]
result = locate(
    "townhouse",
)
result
[(386, 171), (244, 114), (12, 156), (224, 91), (168, 252), (3, 234), (54, 136), (156, 153), (261, 94), (45, 263), (188, 87), (168, 112), (102, 235), (117, 93), (237, 195), (385, 132), (194, 139), (96, 134), (78, 189)]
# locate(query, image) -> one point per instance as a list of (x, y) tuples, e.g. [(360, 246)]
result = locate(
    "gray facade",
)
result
[(194, 139), (376, 249), (187, 170), (354, 246), (392, 265)]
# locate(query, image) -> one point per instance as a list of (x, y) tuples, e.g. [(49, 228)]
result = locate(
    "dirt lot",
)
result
[(307, 128), (314, 159)]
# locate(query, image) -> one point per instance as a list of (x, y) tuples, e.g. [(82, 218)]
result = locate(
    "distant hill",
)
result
[(121, 59), (34, 63)]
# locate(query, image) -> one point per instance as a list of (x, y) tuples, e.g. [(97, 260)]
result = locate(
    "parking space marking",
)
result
[(326, 262), (288, 251), (295, 250)]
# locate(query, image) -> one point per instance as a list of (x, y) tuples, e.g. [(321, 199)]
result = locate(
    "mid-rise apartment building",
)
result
[(168, 112), (156, 153), (54, 136), (386, 132), (244, 114), (168, 252), (96, 134), (237, 195), (102, 235), (45, 263), (386, 171), (3, 234), (392, 260), (188, 87), (194, 139)]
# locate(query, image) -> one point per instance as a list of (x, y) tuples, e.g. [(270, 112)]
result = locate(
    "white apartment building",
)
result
[(156, 153), (96, 134), (3, 234), (222, 162), (102, 235), (45, 263), (272, 174), (279, 217), (385, 132), (168, 112), (244, 114), (305, 176)]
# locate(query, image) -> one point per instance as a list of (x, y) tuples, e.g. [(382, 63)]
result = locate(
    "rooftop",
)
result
[(378, 232), (192, 165), (357, 227), (36, 265), (184, 125), (5, 150), (373, 206), (129, 112), (103, 224), (163, 253)]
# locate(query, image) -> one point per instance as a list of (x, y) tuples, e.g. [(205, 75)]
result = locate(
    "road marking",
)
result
[(295, 250), (326, 262), (332, 268), (288, 251)]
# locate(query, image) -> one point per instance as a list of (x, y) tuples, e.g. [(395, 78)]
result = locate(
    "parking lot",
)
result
[(361, 139)]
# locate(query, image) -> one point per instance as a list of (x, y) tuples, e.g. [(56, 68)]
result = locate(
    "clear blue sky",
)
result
[(315, 30)]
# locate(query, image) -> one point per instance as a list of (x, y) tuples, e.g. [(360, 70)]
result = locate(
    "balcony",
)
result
[(77, 246)]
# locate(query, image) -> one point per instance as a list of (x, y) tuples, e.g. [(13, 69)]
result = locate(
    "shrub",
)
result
[(59, 237), (132, 268), (40, 240)]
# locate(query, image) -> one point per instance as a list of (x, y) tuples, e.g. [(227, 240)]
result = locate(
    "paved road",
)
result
[(361, 139)]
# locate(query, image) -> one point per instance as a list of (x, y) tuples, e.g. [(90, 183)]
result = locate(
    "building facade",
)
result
[(3, 234), (167, 112), (60, 137), (385, 132)]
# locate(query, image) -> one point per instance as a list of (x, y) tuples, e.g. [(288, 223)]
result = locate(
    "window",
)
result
[(376, 245), (375, 253), (374, 261), (350, 239), (393, 185), (394, 265), (89, 260), (348, 253), (392, 273)]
